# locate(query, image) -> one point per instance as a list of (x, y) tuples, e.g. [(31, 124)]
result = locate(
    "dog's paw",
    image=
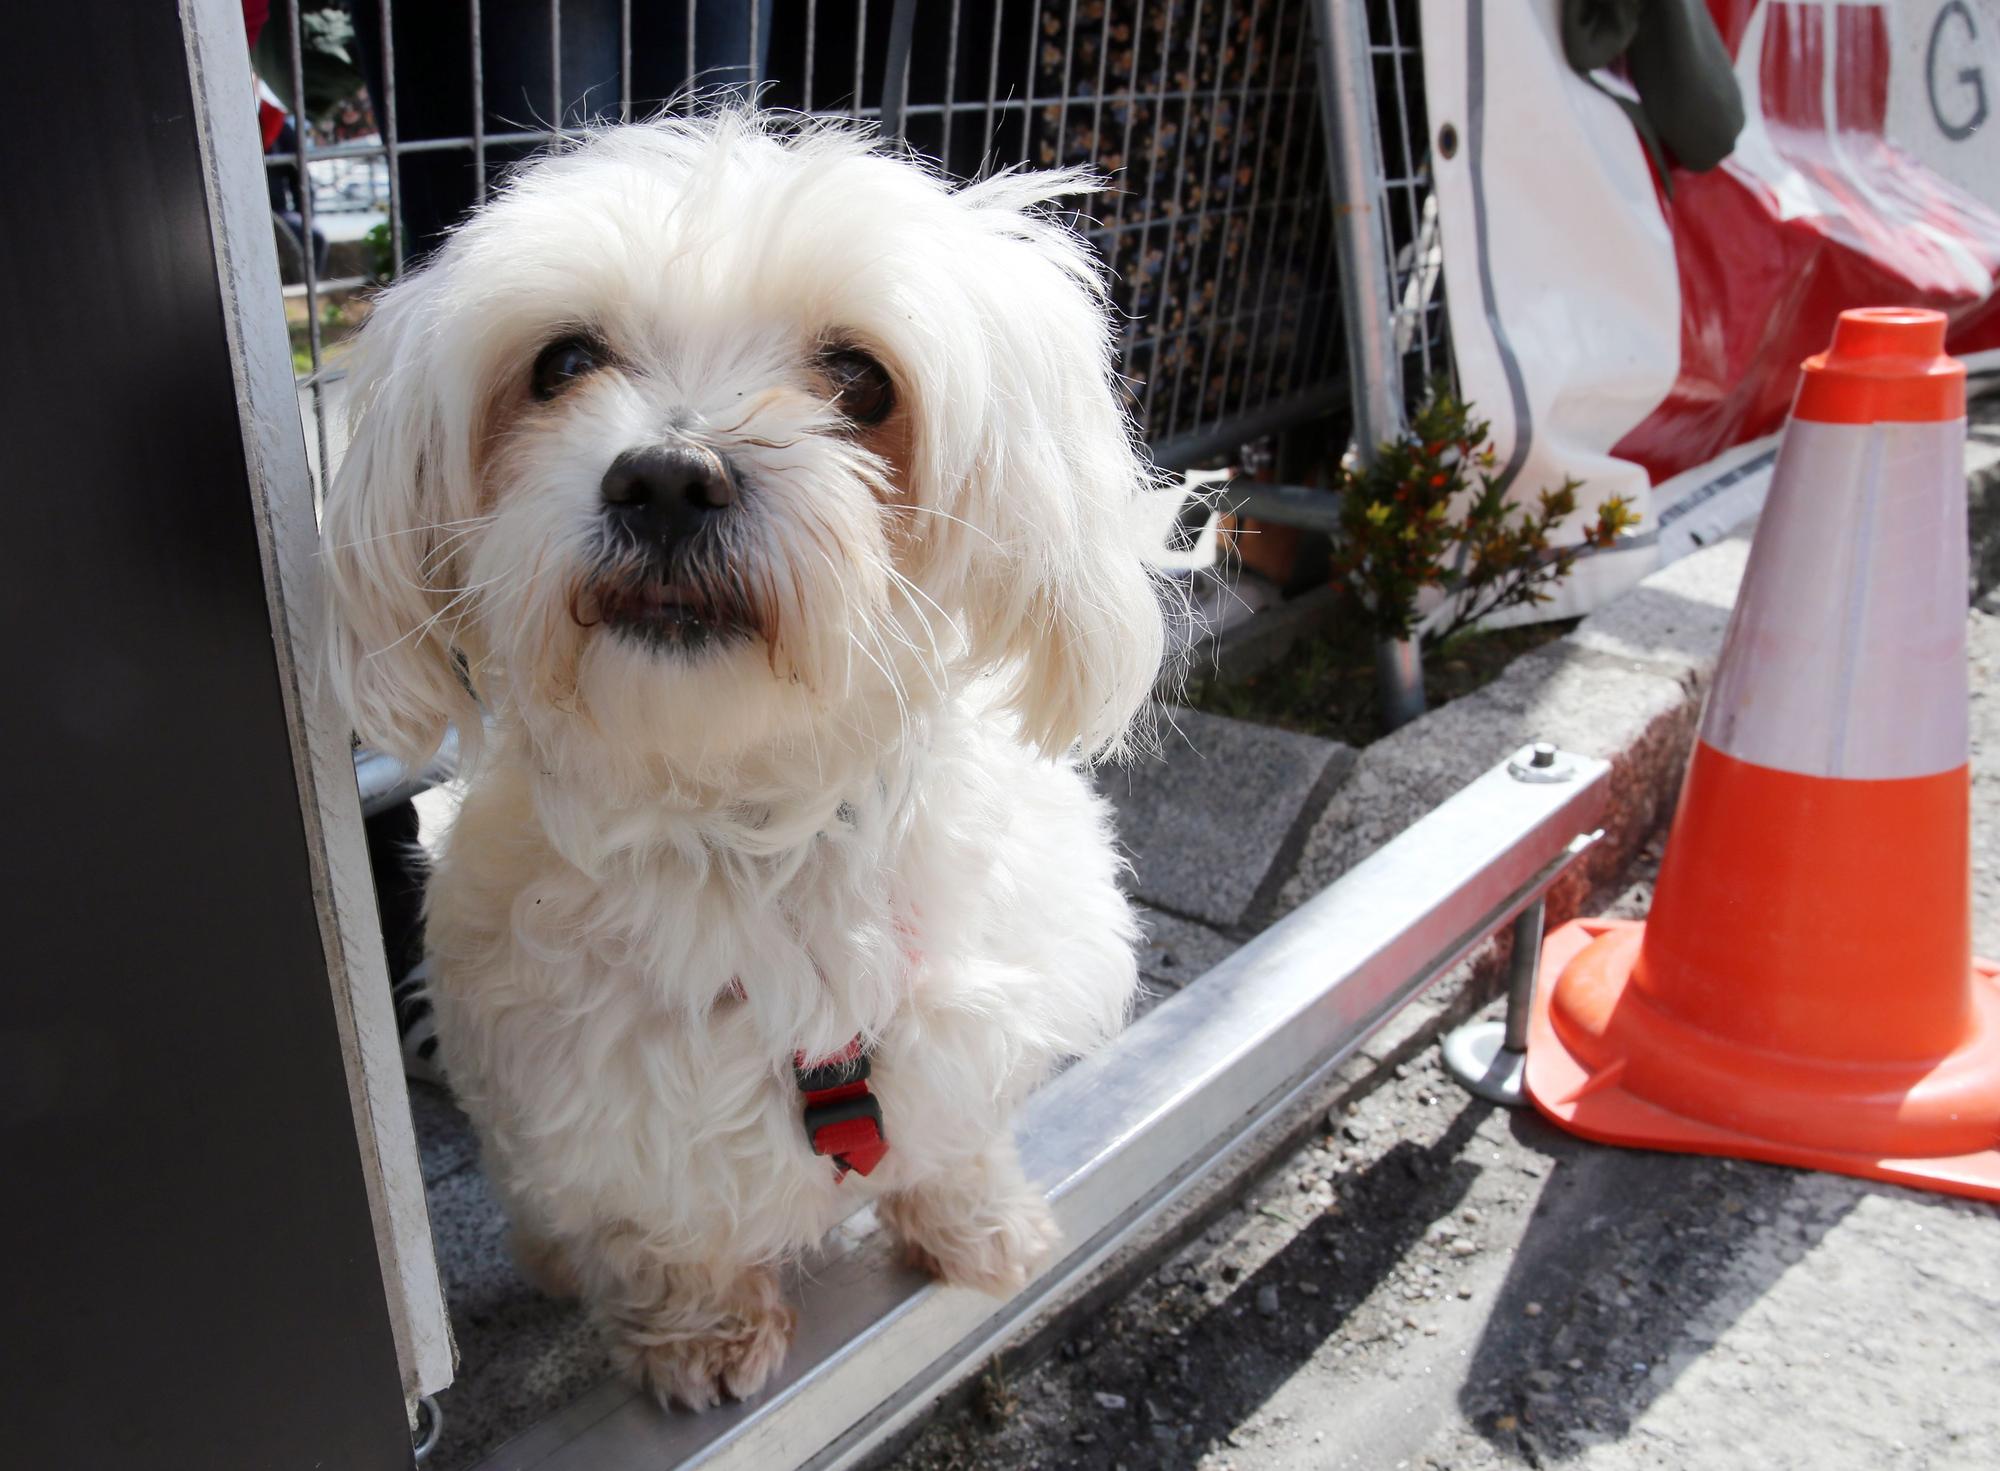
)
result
[(695, 1364), (992, 1245), (545, 1264), (700, 1373)]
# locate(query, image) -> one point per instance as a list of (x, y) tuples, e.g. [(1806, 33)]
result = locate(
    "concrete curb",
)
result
[(1625, 686)]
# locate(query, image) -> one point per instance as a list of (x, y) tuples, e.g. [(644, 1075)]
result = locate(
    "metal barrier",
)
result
[(1219, 226), (1127, 1132)]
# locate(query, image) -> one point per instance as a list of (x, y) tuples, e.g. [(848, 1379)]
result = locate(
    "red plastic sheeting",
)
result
[(1810, 216)]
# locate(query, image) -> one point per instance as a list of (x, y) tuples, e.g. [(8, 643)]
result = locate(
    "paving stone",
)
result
[(1172, 952), (1175, 950), (522, 1355), (1221, 809)]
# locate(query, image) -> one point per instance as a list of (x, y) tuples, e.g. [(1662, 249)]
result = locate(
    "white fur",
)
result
[(871, 814)]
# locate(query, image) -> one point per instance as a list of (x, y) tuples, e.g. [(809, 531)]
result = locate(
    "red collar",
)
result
[(843, 1119)]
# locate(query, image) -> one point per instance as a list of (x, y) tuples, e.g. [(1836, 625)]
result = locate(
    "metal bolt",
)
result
[(1541, 762)]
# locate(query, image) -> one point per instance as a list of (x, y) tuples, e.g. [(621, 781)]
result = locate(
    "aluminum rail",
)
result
[(1122, 1135)]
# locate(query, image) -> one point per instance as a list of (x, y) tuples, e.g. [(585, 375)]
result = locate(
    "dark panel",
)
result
[(186, 1263)]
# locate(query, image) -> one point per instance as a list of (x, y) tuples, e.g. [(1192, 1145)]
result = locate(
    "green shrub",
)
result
[(1431, 512)]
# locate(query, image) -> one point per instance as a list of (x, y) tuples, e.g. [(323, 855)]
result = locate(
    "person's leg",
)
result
[(433, 54), (400, 868), (722, 56), (434, 70)]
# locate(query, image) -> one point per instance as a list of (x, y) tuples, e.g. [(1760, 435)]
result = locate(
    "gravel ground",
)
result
[(1435, 1283), (1439, 1283)]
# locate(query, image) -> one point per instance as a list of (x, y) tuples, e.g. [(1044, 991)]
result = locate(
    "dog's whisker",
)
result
[(423, 629), (895, 685), (937, 657), (979, 531), (382, 536), (441, 553)]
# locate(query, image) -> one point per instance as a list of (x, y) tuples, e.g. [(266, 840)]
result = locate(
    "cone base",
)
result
[(1593, 1096)]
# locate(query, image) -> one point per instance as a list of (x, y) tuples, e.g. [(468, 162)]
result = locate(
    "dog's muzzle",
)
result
[(663, 506)]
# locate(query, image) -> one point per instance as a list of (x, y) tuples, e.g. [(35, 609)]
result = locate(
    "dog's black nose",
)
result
[(664, 492)]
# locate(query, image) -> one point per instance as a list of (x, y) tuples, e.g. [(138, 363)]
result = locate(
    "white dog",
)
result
[(770, 500)]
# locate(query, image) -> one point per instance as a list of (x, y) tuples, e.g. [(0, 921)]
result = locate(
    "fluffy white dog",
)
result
[(770, 500)]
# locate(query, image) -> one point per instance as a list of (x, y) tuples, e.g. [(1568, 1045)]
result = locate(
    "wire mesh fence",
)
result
[(1410, 213), (1201, 115)]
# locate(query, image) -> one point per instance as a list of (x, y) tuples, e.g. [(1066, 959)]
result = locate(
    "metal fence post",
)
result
[(1354, 169), (1374, 369)]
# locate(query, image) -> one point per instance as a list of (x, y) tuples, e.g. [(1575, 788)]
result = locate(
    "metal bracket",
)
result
[(1490, 1058)]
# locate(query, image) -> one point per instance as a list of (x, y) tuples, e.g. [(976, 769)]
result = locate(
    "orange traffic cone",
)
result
[(1804, 991)]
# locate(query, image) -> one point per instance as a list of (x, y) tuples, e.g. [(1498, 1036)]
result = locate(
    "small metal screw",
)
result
[(1541, 763)]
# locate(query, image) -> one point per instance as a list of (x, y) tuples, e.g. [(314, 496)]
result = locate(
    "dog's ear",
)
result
[(386, 527), (1078, 613)]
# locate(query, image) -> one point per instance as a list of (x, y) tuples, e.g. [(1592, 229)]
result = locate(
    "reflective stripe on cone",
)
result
[(1846, 653)]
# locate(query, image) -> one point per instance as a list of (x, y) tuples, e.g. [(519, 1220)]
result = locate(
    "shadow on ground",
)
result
[(1629, 1265), (1236, 1348)]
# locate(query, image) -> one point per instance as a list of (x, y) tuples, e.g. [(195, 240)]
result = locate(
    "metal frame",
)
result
[(1123, 1135), (1216, 229), (275, 463), (1410, 210), (1378, 337), (1354, 155)]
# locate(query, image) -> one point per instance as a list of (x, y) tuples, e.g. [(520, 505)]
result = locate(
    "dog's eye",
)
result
[(562, 361), (861, 387)]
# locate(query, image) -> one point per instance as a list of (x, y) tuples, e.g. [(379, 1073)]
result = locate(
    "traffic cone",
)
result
[(1804, 990)]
